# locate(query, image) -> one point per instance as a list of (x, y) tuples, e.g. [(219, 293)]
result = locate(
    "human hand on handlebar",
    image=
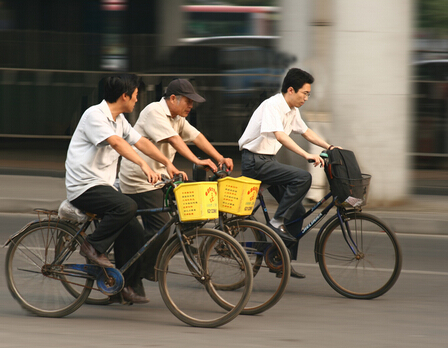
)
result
[(316, 160), (167, 180), (152, 176), (172, 171), (228, 162), (331, 147), (207, 163)]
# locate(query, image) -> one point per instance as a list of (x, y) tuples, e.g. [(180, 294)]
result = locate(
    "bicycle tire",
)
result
[(261, 243), (192, 299), (38, 290), (373, 269)]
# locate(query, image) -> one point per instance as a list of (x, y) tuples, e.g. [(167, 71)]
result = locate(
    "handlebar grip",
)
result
[(200, 166), (178, 177), (199, 172), (323, 154)]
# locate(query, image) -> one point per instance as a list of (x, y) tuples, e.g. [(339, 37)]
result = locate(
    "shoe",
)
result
[(294, 274), (87, 250), (283, 233), (118, 298), (129, 295)]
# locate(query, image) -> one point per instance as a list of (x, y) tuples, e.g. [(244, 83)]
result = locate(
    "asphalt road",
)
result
[(412, 314)]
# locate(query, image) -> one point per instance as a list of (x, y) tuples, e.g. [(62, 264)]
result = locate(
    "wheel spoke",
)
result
[(38, 286), (373, 270)]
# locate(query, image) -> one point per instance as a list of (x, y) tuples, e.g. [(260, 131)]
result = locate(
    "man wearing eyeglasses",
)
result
[(268, 130)]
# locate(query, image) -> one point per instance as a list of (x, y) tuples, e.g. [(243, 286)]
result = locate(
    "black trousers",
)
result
[(288, 184), (118, 225), (152, 223)]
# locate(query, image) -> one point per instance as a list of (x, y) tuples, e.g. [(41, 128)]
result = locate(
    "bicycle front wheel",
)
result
[(186, 281), (362, 260), (270, 263), (35, 281)]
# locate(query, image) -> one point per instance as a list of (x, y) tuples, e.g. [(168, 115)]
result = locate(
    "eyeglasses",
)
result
[(307, 94)]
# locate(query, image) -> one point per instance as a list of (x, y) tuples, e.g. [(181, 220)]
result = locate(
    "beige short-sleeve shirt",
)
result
[(155, 123)]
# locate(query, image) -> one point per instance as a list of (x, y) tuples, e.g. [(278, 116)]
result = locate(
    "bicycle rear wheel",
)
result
[(190, 295), (38, 286), (365, 264), (260, 243)]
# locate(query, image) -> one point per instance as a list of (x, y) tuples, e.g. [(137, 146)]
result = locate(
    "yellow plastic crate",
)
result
[(197, 201), (237, 195)]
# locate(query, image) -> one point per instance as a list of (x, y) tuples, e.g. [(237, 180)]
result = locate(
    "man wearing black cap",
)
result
[(165, 124)]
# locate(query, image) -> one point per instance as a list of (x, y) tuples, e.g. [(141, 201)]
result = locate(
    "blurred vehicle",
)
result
[(218, 20), (431, 113), (242, 72)]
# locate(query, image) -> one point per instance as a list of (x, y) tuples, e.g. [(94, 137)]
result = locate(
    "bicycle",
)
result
[(48, 277), (358, 254), (261, 244), (267, 252)]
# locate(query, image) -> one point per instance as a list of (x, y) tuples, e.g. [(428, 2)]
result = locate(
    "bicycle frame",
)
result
[(95, 270), (346, 232), (307, 228)]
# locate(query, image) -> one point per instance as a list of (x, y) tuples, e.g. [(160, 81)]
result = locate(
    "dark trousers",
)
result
[(118, 225), (152, 223), (288, 184)]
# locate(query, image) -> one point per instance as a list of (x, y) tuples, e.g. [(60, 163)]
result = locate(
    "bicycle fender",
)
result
[(24, 228), (18, 233)]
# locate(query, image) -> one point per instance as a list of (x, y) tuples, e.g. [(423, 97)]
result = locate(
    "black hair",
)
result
[(116, 85), (296, 78)]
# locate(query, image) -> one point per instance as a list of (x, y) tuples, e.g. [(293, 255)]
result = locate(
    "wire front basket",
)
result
[(351, 192)]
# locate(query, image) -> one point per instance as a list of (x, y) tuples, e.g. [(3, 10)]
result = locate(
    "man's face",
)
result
[(130, 101), (299, 98), (181, 107)]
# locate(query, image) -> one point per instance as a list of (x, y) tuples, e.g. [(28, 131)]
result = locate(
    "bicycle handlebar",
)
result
[(220, 173), (323, 154), (167, 180)]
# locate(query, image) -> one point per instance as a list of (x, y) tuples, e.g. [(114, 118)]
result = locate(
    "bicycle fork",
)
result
[(192, 263), (348, 235)]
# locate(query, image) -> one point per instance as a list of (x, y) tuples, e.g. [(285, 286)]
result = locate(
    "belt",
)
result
[(256, 154)]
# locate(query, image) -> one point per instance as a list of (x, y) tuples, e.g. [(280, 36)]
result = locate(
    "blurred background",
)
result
[(380, 69)]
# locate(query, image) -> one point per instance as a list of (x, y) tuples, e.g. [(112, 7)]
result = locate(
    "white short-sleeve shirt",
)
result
[(91, 161), (271, 116), (155, 123)]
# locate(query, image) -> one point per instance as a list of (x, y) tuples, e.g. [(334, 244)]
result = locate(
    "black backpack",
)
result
[(345, 177)]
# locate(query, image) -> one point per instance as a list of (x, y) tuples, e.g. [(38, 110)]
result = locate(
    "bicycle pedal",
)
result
[(118, 298)]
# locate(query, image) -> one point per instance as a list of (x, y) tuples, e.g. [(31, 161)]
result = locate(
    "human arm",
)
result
[(177, 142), (291, 145), (150, 150), (315, 139), (312, 137), (124, 149), (203, 144)]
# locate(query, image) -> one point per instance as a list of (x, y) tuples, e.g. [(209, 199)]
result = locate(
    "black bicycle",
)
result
[(47, 276), (358, 254)]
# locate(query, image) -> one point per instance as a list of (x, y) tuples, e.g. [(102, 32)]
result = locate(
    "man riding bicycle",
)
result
[(268, 130)]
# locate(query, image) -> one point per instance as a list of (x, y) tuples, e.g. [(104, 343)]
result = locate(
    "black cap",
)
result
[(185, 88)]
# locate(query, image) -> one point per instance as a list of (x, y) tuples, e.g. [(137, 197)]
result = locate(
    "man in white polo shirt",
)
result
[(102, 135), (267, 131), (165, 124)]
